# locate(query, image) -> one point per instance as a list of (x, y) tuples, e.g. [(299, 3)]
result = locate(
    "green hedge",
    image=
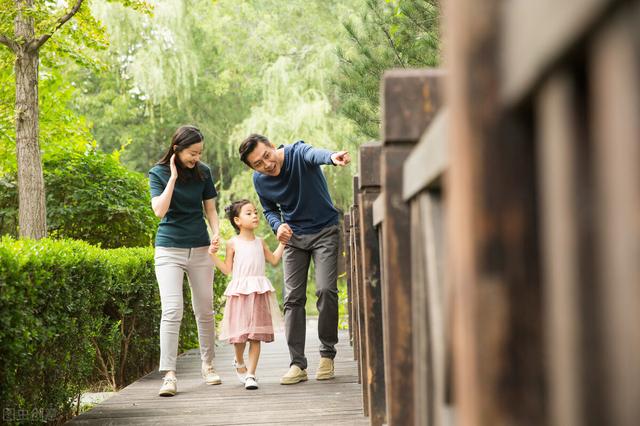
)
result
[(73, 317), (90, 197)]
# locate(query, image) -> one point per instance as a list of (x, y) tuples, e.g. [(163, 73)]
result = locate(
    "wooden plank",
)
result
[(355, 272), (378, 211), (565, 24), (346, 230), (370, 190), (396, 291), (558, 179), (615, 84), (410, 99), (360, 305), (354, 279), (428, 161), (429, 308), (334, 402), (498, 365)]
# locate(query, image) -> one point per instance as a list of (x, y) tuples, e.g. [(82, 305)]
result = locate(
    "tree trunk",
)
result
[(31, 199)]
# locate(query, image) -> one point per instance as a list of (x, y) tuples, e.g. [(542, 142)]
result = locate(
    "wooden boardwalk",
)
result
[(334, 402)]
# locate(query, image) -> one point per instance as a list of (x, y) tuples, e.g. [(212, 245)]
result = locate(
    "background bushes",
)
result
[(74, 316), (90, 196)]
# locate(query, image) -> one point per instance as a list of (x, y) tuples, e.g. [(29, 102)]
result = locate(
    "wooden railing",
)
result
[(494, 237)]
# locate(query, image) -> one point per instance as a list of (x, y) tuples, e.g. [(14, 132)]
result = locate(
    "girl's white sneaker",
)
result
[(251, 382), (241, 376)]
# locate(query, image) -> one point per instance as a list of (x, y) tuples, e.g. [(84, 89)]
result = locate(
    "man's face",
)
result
[(264, 160)]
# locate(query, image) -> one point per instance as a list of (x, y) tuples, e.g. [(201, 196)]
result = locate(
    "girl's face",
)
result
[(248, 217), (190, 156)]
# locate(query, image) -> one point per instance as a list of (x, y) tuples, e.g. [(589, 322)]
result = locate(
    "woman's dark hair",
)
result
[(249, 144), (183, 138), (233, 210)]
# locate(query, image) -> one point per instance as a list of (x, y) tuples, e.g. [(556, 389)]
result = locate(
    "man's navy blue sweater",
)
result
[(299, 195)]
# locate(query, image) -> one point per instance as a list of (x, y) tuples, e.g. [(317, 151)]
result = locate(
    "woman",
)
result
[(180, 186)]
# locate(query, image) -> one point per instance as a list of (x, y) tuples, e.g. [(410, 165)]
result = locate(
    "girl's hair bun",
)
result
[(233, 210)]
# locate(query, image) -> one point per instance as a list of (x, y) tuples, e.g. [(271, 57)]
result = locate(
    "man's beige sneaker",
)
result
[(293, 376), (210, 376), (169, 387), (325, 369)]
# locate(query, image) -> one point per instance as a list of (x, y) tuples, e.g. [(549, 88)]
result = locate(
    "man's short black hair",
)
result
[(249, 144)]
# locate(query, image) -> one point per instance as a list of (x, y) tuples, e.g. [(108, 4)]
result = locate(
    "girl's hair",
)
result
[(183, 138), (233, 210)]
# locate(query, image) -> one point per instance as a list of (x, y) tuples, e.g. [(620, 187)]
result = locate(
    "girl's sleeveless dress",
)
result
[(251, 311)]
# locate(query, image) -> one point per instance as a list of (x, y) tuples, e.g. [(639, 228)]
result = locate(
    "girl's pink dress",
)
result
[(251, 311)]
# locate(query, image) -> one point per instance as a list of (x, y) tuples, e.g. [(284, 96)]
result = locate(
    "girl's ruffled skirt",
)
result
[(251, 311)]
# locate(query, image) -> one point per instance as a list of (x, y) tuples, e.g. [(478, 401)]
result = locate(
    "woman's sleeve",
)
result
[(209, 190), (156, 186)]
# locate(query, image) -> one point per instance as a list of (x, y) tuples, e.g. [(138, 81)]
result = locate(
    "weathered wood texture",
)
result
[(335, 401), (614, 71), (566, 24), (346, 229), (355, 275), (360, 298), (545, 195), (410, 100), (369, 162), (493, 229), (423, 190)]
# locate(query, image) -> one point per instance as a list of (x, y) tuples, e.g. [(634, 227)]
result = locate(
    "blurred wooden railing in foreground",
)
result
[(494, 262)]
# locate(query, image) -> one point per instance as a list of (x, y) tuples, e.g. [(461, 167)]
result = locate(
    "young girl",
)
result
[(251, 311)]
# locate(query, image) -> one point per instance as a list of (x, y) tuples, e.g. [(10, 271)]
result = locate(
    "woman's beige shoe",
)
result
[(325, 369), (169, 387), (210, 376), (293, 376)]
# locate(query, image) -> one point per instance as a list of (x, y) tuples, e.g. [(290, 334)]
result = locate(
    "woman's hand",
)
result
[(172, 166), (215, 245)]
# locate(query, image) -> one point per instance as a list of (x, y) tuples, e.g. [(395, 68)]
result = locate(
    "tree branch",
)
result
[(11, 44), (36, 44)]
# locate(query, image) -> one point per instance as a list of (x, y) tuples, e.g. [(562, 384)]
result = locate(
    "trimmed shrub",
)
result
[(90, 196), (73, 317)]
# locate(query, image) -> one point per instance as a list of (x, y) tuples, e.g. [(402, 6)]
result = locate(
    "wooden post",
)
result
[(369, 191), (615, 108), (566, 267), (360, 305), (409, 99), (354, 289), (493, 229), (423, 189), (346, 230)]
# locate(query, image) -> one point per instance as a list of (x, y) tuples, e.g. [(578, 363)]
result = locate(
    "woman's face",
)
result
[(190, 156)]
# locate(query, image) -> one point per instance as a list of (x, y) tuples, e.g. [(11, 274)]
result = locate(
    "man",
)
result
[(296, 201)]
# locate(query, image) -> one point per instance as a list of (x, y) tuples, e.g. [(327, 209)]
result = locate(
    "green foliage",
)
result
[(76, 42), (75, 316), (244, 74), (389, 34), (90, 196), (60, 127)]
